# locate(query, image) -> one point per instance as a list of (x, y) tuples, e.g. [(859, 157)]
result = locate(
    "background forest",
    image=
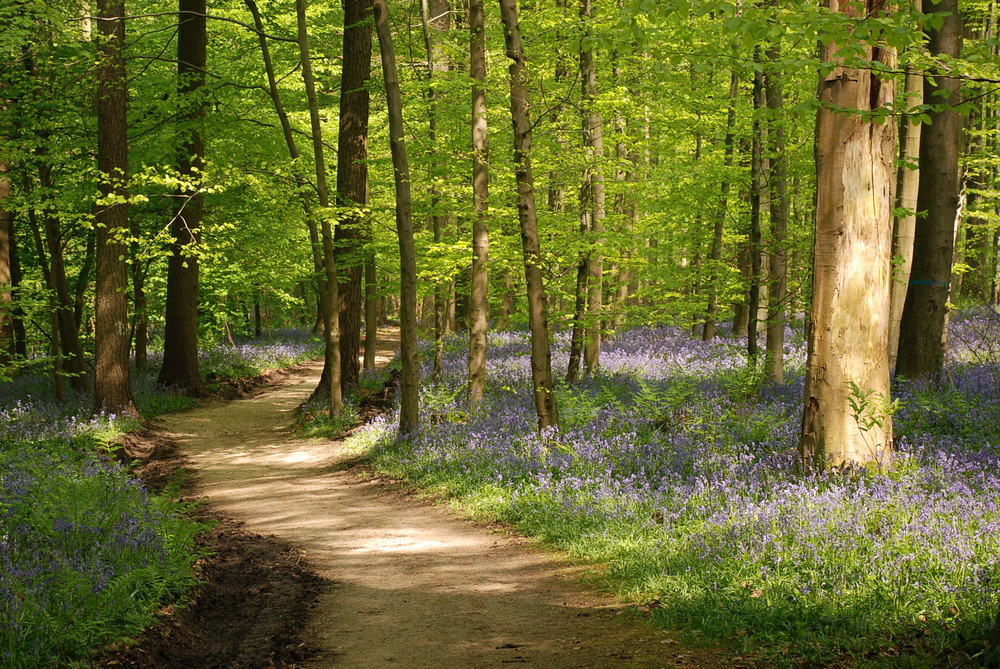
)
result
[(753, 176)]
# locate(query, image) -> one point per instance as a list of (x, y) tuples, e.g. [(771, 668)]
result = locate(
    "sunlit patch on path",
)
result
[(412, 586)]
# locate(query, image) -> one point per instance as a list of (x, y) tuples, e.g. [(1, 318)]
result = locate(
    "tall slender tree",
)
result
[(708, 330), (112, 377), (410, 379), (777, 292), (180, 337), (330, 293), (479, 305), (907, 182), (6, 278), (301, 183), (922, 328), (541, 355), (756, 208), (436, 19)]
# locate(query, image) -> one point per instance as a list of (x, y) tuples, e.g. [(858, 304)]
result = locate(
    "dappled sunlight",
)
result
[(401, 544)]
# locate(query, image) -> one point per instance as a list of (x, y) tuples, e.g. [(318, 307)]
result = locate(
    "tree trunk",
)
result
[(435, 17), (6, 276), (140, 314), (302, 185), (55, 346), (180, 347), (331, 322), (715, 270), (593, 181), (371, 311), (112, 377), (17, 313), (352, 231), (624, 204), (852, 270), (479, 304), (778, 288), (541, 356), (578, 336), (922, 328), (83, 279), (756, 191), (73, 360), (410, 380), (905, 224)]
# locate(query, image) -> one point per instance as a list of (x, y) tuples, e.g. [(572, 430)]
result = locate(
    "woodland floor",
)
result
[(317, 562)]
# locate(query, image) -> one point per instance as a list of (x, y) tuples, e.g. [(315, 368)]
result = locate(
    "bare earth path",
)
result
[(410, 585)]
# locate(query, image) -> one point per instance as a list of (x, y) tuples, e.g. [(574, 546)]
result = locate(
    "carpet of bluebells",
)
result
[(673, 468), (86, 553)]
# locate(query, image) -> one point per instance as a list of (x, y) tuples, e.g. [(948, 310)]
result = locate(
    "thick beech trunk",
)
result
[(479, 305), (541, 356), (924, 321), (852, 271), (180, 347), (112, 377), (410, 380)]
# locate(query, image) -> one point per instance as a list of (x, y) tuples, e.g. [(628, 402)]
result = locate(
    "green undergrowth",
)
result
[(679, 485), (87, 554)]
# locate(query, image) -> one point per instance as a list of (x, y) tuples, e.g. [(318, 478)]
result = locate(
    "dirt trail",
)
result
[(409, 584)]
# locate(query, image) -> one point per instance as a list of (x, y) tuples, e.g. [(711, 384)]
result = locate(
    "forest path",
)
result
[(410, 584)]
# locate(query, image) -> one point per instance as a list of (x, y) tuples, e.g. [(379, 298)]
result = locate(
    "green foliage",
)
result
[(88, 555), (869, 408), (315, 422)]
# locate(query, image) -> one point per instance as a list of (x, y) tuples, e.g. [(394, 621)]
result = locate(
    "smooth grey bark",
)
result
[(479, 306), (852, 267), (756, 188), (594, 183), (436, 18), (905, 223)]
